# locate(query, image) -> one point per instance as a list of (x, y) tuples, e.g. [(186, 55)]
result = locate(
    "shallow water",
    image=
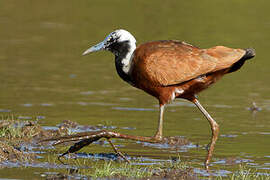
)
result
[(44, 76)]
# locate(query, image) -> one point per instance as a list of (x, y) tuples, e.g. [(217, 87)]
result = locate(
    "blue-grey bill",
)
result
[(98, 47)]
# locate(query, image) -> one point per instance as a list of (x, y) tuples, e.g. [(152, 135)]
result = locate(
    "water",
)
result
[(42, 72)]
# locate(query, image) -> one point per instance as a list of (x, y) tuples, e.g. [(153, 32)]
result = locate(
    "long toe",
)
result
[(158, 137)]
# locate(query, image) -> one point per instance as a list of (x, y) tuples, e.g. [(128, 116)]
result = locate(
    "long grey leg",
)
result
[(214, 128), (160, 122)]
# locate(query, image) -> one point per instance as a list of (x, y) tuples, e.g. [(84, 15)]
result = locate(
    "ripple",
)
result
[(27, 105), (128, 128), (125, 99), (221, 106), (264, 133), (5, 110), (203, 172), (72, 76), (230, 161), (87, 92), (178, 103), (179, 147), (133, 109), (40, 117), (95, 103), (47, 104), (228, 135), (24, 117)]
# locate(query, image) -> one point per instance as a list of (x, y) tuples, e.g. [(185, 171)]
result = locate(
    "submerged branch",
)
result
[(87, 138), (95, 136)]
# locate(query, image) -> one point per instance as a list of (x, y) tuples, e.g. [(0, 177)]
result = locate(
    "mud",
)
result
[(15, 133), (175, 174), (13, 153), (19, 144), (176, 141)]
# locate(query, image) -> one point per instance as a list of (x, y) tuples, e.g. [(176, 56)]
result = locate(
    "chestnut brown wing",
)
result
[(164, 63)]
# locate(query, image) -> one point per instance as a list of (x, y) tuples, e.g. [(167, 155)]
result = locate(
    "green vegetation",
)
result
[(110, 169), (170, 169), (113, 169), (245, 173), (10, 132), (17, 130)]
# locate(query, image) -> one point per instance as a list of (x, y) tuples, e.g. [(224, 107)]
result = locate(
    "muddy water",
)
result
[(44, 76)]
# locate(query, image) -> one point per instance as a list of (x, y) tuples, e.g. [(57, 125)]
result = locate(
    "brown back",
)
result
[(164, 63)]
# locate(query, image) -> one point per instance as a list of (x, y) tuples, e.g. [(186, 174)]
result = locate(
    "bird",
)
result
[(170, 69)]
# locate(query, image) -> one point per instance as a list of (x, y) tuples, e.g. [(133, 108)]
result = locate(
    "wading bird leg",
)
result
[(158, 135), (214, 128), (116, 150)]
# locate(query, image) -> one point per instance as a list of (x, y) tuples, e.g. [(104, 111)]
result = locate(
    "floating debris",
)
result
[(254, 107)]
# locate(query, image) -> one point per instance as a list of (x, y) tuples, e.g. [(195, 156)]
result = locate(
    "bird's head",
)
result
[(118, 42)]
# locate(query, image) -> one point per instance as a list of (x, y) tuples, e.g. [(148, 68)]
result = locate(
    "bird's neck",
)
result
[(123, 60)]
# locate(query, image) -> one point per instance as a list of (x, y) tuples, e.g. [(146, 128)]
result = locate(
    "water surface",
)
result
[(42, 73)]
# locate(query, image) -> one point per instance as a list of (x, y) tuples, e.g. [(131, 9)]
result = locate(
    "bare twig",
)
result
[(87, 138), (117, 152), (95, 136)]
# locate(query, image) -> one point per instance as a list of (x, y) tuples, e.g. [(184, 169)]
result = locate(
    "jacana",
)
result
[(172, 69)]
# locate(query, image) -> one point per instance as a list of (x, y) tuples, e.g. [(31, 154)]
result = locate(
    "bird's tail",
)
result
[(250, 53)]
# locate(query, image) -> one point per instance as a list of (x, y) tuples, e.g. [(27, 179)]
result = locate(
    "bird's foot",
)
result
[(158, 137)]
